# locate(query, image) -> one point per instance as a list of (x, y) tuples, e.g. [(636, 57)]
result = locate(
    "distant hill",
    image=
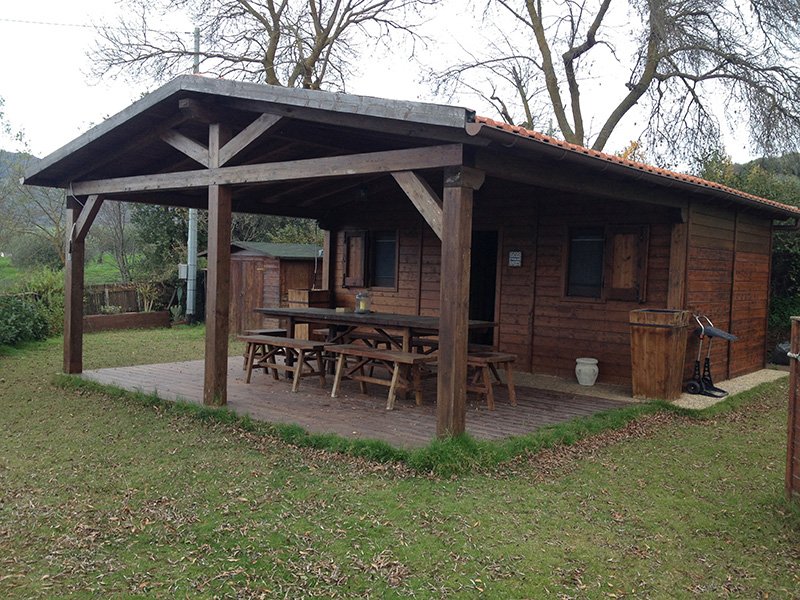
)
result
[(10, 161), (788, 164)]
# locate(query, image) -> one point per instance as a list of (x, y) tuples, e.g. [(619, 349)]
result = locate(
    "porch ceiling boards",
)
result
[(354, 415)]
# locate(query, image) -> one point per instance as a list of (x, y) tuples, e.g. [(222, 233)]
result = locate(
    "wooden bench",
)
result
[(403, 366), (260, 350), (482, 374), (298, 355)]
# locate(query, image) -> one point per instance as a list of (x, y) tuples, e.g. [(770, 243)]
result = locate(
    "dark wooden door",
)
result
[(483, 282), (295, 275)]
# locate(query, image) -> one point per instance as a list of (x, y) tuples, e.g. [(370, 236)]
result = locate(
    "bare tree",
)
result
[(112, 231), (293, 43), (31, 211), (682, 66)]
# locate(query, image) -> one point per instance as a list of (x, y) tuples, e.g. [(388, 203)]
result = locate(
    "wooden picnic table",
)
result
[(342, 323)]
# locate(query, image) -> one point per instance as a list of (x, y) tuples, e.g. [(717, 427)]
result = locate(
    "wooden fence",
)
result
[(793, 450), (122, 295)]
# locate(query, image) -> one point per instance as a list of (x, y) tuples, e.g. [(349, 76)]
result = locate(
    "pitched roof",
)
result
[(634, 165), (278, 250), (108, 150)]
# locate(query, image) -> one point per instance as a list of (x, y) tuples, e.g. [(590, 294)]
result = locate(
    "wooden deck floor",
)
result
[(353, 414)]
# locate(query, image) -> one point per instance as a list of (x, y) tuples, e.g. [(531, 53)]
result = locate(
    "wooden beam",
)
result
[(73, 291), (86, 218), (247, 136), (550, 175), (333, 166), (423, 197), (197, 110), (188, 146), (454, 309), (215, 385), (328, 254)]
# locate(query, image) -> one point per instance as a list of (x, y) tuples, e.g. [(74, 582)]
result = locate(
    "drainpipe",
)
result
[(191, 263)]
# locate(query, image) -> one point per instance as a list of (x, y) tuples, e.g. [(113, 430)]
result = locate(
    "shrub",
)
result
[(46, 288), (780, 312), (21, 320)]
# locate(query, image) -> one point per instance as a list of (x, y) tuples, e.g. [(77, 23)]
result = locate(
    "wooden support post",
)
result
[(451, 396), (215, 389), (328, 266), (74, 254)]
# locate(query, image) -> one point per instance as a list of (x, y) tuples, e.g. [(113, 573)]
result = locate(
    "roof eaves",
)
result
[(662, 176)]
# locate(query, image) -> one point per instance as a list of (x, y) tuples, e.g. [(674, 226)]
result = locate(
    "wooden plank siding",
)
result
[(567, 328), (709, 278), (750, 297), (545, 329), (263, 281), (728, 280)]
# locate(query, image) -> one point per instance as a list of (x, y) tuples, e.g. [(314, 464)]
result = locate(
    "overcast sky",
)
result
[(51, 98), (49, 95)]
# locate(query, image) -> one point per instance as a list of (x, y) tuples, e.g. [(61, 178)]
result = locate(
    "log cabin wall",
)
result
[(728, 280), (565, 328), (511, 211), (750, 302), (537, 321)]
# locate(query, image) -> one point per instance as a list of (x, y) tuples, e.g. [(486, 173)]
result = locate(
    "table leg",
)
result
[(298, 373), (393, 387), (337, 380)]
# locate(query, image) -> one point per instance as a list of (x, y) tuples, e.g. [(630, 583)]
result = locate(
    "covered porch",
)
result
[(363, 416), (419, 201)]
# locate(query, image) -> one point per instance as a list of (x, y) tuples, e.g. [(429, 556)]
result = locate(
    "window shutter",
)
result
[(354, 258), (626, 262)]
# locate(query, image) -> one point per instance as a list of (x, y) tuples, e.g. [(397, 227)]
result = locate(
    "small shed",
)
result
[(262, 274)]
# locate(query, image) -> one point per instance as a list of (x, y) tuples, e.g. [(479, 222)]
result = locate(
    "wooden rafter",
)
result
[(423, 197), (332, 166), (247, 136), (86, 218), (188, 146)]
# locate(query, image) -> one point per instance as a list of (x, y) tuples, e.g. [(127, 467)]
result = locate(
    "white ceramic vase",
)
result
[(586, 370)]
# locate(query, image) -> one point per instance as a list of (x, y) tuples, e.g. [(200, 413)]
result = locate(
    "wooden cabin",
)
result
[(560, 272), (262, 274), (436, 211)]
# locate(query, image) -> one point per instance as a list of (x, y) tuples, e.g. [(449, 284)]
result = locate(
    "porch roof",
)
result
[(166, 131)]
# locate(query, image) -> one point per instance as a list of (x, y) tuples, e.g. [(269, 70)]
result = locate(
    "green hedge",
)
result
[(21, 320)]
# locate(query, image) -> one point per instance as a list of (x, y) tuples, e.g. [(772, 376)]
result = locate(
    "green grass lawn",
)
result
[(8, 273), (107, 496), (96, 273)]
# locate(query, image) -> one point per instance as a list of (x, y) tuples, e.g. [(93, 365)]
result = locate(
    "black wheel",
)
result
[(694, 387)]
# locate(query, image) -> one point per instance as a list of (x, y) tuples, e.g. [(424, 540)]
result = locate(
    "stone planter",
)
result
[(129, 320)]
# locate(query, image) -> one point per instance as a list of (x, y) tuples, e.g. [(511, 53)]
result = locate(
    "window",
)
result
[(608, 262), (383, 258), (585, 266), (370, 259)]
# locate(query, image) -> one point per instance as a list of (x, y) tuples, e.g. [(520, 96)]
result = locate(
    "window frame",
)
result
[(569, 233), (359, 267), (371, 268), (635, 293)]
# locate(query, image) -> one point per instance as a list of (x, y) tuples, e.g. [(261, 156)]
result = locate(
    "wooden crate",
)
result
[(298, 298)]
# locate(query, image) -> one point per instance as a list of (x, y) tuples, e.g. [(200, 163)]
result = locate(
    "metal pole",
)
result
[(191, 263)]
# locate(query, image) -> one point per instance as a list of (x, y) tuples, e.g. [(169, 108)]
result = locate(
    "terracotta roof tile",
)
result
[(546, 139)]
